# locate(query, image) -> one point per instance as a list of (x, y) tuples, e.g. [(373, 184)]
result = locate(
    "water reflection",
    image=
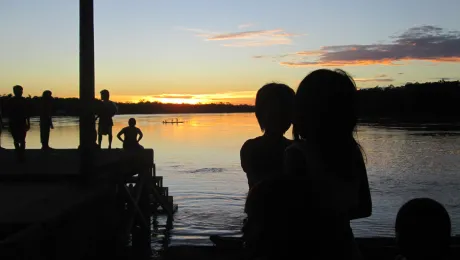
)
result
[(200, 162)]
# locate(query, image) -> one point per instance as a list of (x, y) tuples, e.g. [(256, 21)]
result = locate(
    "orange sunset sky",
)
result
[(223, 51)]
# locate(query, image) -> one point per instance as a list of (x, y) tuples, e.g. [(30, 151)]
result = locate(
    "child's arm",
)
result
[(139, 132), (119, 135), (245, 156)]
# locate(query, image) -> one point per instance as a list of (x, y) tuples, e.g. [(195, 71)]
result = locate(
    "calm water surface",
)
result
[(200, 164)]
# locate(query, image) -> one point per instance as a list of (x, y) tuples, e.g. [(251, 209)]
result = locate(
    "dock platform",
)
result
[(50, 212)]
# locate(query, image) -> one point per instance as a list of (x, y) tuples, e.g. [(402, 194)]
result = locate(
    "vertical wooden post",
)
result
[(87, 122), (144, 205)]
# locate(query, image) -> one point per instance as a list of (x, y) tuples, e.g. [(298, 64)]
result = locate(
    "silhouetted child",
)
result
[(262, 157), (46, 121), (302, 227), (19, 120), (106, 112), (423, 230), (325, 150), (132, 136)]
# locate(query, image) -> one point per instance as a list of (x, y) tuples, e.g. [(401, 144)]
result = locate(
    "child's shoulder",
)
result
[(252, 142)]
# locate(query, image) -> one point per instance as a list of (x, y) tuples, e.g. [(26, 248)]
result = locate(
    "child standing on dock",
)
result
[(19, 120), (132, 136), (46, 122), (263, 156), (106, 112)]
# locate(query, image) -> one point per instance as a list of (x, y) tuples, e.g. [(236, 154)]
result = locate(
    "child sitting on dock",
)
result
[(132, 136), (262, 157), (423, 230)]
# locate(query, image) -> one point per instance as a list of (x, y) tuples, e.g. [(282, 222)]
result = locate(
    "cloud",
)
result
[(247, 38), (447, 78), (181, 96), (258, 43), (376, 79), (246, 25), (423, 43), (242, 35), (310, 53)]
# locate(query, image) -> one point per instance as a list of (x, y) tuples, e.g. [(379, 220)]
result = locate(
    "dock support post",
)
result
[(87, 122), (142, 234)]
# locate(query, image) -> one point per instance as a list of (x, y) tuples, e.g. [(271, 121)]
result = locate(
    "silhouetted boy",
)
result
[(423, 230), (107, 110), (263, 156), (132, 136), (19, 120), (46, 122)]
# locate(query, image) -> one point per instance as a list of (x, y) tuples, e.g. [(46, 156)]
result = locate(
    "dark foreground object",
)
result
[(381, 248), (49, 212)]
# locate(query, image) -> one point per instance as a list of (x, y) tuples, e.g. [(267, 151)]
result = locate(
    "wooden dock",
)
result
[(50, 212)]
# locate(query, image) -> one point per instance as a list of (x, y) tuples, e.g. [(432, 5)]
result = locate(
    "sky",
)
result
[(192, 51)]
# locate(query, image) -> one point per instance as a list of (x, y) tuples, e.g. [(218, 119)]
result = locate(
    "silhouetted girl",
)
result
[(132, 136), (263, 156), (325, 150)]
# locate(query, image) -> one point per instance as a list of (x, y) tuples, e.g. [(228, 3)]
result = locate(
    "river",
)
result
[(199, 160)]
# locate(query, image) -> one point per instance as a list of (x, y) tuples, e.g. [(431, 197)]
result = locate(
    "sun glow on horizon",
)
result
[(236, 98), (171, 100)]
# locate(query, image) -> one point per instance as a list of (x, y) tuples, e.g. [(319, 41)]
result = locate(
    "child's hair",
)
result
[(325, 115), (47, 94), (423, 229), (324, 104), (17, 88), (132, 122), (274, 103)]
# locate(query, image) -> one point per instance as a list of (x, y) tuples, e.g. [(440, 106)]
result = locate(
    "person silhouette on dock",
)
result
[(19, 121), (132, 136), (106, 112), (46, 121), (263, 156)]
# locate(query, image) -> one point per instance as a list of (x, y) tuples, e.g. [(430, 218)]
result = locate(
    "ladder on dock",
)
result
[(161, 202)]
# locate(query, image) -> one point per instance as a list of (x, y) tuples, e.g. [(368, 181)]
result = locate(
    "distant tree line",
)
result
[(71, 107), (431, 101)]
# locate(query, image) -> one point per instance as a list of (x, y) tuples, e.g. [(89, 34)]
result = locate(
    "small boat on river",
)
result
[(172, 121)]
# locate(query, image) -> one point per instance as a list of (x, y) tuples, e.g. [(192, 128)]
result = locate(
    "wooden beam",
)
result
[(87, 122)]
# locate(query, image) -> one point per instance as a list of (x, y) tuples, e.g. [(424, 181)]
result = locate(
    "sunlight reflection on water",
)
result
[(200, 164)]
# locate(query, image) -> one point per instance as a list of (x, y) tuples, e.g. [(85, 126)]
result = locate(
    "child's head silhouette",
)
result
[(132, 122), (423, 229), (325, 105), (274, 103), (47, 94), (105, 95), (17, 90)]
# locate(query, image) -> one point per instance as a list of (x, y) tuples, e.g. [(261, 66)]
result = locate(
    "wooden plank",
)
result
[(66, 162)]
